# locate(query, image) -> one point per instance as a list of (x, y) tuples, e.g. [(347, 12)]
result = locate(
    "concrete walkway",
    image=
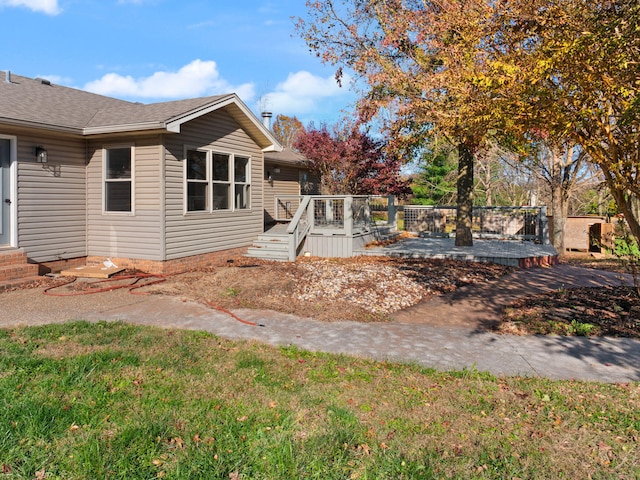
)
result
[(446, 333)]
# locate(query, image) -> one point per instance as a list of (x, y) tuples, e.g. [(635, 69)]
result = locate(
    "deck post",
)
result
[(348, 216), (391, 211), (543, 229)]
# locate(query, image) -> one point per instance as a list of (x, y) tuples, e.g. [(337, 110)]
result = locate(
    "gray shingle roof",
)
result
[(286, 156), (32, 101)]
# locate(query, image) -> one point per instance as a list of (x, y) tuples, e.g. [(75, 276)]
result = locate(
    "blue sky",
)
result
[(160, 50)]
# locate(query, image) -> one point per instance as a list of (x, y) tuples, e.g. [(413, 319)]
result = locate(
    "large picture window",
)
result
[(216, 181), (118, 179)]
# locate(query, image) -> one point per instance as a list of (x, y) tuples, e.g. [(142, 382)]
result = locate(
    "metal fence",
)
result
[(511, 223)]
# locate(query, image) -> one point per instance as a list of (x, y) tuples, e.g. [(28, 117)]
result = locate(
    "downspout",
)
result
[(86, 197), (163, 199)]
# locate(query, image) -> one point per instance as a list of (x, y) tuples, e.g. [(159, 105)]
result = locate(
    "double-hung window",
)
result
[(221, 181), (118, 179), (216, 181), (197, 181), (241, 182)]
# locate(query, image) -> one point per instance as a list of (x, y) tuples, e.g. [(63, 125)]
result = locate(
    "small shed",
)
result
[(586, 233)]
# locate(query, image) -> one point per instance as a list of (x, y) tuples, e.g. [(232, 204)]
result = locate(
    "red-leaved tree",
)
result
[(351, 162)]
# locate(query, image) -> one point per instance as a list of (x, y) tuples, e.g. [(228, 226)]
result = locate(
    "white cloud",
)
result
[(50, 7), (198, 78), (303, 92)]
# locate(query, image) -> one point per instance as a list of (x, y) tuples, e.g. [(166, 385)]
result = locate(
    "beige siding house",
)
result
[(161, 187)]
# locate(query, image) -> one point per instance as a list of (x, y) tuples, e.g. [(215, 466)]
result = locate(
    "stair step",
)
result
[(273, 238), (12, 257), (8, 284), (271, 245), (265, 254), (15, 269), (18, 272)]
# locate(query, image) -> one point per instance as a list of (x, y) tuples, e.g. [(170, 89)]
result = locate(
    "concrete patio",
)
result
[(514, 253)]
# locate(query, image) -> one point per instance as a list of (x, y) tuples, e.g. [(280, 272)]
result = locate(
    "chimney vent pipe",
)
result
[(266, 119)]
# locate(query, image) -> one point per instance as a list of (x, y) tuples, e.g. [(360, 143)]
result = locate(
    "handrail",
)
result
[(297, 230)]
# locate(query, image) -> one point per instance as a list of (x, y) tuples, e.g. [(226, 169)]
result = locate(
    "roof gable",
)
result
[(38, 103)]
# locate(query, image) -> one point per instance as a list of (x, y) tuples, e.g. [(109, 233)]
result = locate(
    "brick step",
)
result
[(14, 267), (12, 257)]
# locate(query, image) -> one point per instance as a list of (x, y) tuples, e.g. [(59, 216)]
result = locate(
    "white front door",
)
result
[(7, 197)]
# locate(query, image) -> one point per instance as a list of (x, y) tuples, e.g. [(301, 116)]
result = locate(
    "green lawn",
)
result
[(109, 400)]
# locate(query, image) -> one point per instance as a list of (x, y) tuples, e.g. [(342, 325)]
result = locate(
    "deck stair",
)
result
[(271, 245), (15, 268)]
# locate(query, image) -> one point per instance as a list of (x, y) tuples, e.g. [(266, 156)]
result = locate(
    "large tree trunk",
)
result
[(464, 211), (560, 210), (626, 203), (559, 184)]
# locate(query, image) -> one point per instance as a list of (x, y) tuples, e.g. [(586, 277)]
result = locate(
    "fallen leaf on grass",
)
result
[(177, 441), (364, 448)]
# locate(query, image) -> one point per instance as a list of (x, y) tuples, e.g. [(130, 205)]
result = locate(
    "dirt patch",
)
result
[(372, 288), (597, 261), (360, 288), (68, 349), (584, 311)]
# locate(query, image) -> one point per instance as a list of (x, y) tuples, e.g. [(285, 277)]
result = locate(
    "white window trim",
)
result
[(132, 180), (13, 188), (210, 182)]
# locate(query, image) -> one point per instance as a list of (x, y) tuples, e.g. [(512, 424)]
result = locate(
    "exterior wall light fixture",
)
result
[(41, 155)]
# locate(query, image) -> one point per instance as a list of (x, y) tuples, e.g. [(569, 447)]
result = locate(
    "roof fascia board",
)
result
[(40, 126), (125, 128)]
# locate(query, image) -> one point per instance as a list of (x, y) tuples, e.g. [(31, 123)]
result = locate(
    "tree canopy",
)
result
[(351, 162), (516, 70), (286, 129), (423, 70)]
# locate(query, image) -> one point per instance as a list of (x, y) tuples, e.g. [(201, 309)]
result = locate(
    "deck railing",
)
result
[(330, 214), (510, 223), (346, 215), (299, 227)]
